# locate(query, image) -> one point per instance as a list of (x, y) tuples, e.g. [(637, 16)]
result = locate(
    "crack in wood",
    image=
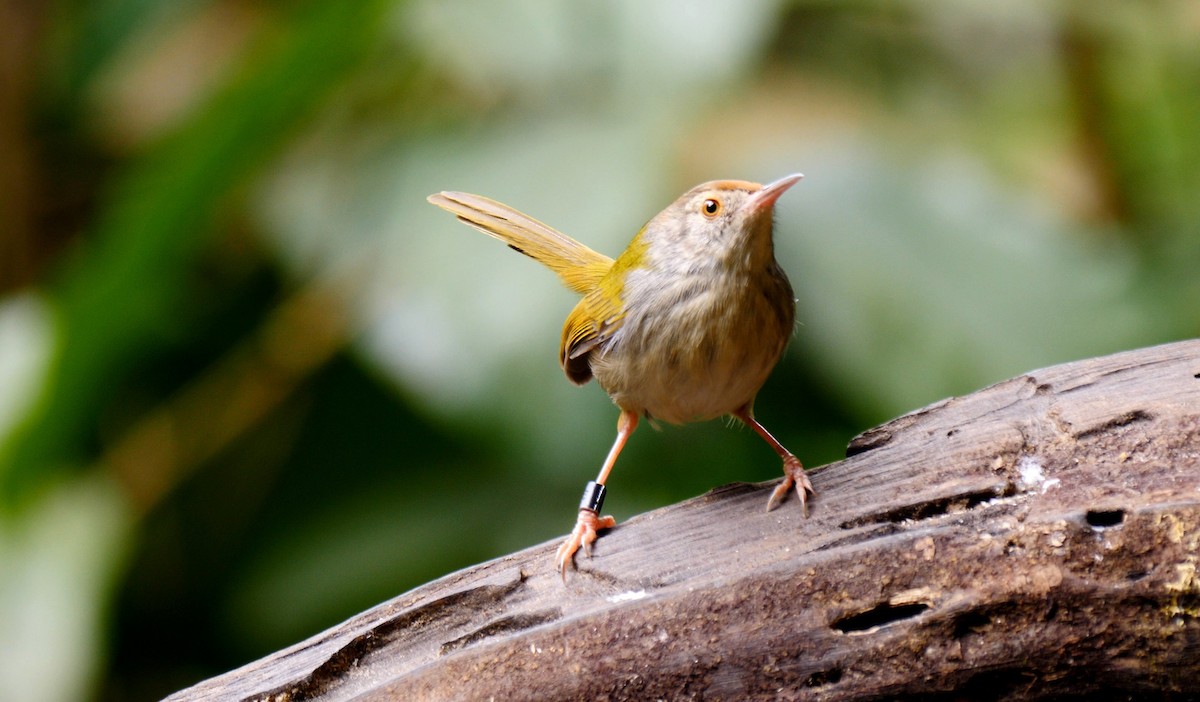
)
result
[(1137, 415), (332, 672), (504, 625), (883, 434), (935, 507)]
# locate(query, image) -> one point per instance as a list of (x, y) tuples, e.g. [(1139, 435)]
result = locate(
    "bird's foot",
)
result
[(584, 534), (793, 476)]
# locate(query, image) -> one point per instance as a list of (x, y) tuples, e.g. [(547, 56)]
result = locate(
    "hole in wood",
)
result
[(1104, 518), (970, 623), (881, 615), (1002, 684), (823, 677)]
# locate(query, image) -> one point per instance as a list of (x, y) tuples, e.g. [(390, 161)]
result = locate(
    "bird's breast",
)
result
[(695, 347)]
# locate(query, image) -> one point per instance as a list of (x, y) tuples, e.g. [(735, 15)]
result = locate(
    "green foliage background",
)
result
[(251, 383)]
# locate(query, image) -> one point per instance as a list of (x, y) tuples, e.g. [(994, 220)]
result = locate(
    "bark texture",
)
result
[(1038, 539)]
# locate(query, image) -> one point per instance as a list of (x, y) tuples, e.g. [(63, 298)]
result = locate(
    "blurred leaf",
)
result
[(58, 564), (126, 286), (96, 31), (625, 54), (920, 277), (25, 338)]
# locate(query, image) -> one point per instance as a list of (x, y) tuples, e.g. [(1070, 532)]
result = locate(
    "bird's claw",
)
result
[(793, 476), (584, 534)]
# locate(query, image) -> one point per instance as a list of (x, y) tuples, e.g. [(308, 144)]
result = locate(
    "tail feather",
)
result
[(579, 267)]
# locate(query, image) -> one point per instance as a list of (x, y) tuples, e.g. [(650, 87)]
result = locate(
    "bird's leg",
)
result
[(793, 470), (590, 521)]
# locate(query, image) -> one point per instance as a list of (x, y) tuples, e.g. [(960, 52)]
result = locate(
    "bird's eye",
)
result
[(711, 208)]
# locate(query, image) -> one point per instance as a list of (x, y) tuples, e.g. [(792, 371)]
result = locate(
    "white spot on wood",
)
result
[(631, 596), (1033, 475)]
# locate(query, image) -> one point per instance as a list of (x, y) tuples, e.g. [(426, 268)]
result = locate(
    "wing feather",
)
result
[(592, 323)]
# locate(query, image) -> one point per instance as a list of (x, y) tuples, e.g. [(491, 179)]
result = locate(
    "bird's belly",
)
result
[(677, 370)]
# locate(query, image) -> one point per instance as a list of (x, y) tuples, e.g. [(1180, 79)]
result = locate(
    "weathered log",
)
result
[(1037, 539)]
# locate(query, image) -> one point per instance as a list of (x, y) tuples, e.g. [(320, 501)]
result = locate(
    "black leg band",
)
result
[(593, 497)]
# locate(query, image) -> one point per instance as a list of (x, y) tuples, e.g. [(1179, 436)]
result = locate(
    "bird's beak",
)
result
[(765, 199)]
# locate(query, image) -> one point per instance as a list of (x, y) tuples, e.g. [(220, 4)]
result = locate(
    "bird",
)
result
[(685, 325)]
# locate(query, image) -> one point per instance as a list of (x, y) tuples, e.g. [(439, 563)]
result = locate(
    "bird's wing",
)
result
[(579, 267), (593, 321)]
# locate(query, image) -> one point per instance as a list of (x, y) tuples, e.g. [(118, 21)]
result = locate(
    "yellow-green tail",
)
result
[(579, 267)]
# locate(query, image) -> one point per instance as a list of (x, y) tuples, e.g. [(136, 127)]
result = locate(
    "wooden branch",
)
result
[(1038, 538)]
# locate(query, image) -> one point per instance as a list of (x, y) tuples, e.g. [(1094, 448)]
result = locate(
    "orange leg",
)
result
[(793, 470), (590, 521)]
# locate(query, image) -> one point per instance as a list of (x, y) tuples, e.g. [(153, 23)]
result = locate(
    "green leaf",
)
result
[(128, 284)]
